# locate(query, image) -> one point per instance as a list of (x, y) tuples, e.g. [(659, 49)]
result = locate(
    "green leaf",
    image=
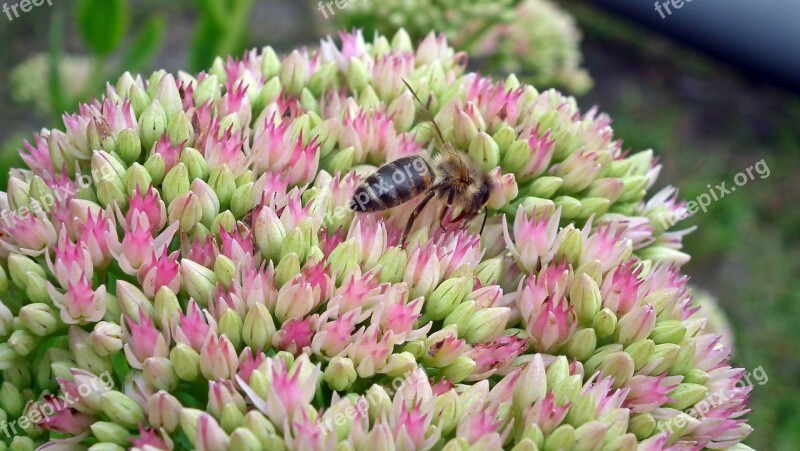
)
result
[(145, 46), (204, 44), (102, 23)]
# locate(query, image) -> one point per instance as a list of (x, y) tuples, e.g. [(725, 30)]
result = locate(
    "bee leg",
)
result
[(485, 217), (446, 211), (428, 196)]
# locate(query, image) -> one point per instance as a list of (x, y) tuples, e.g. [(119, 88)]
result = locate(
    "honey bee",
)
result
[(452, 176)]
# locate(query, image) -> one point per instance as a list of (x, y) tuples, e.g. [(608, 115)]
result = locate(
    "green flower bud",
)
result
[(186, 211), (230, 324), (446, 297), (195, 164), (584, 296), (136, 177), (129, 145), (11, 400), (568, 390), (367, 98), (152, 124), (36, 289), (570, 206), (357, 75), (225, 270), (287, 268), (207, 90), (582, 344), (597, 206), (108, 173), (166, 309), (244, 440), (121, 409), (8, 358), (180, 130), (259, 327), (533, 433), (111, 433), (20, 376), (300, 240), (106, 446), (642, 425), (685, 358), (625, 442), (41, 193), (619, 366), (224, 221), (640, 352), (176, 182), (259, 425), (557, 371), (516, 156), (402, 109), (293, 72), (156, 167), (465, 131), (484, 151), (446, 412), (634, 188), (198, 281), (166, 93), (19, 266), (487, 324), (636, 325), (207, 198), (17, 192), (393, 265), (22, 443), (686, 395), (23, 342), (696, 376), (538, 205), (532, 385), (344, 258), (223, 183), (671, 331), (582, 411), (664, 357), (460, 317), (505, 136), (131, 299), (340, 161), (39, 318), (563, 437), (340, 373), (459, 370), (189, 418), (604, 323), (231, 417), (185, 362)]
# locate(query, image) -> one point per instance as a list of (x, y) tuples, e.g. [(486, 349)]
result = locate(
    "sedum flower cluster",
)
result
[(181, 270), (535, 38)]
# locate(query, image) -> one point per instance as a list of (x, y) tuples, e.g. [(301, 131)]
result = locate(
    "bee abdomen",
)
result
[(393, 184)]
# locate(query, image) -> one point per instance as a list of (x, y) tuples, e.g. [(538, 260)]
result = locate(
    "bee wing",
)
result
[(440, 143)]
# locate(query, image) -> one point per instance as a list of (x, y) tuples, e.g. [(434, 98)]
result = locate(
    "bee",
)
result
[(453, 176)]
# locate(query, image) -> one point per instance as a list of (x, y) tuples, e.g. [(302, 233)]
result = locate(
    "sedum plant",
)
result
[(179, 261), (536, 39)]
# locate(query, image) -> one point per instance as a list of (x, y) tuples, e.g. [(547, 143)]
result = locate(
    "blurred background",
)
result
[(712, 90)]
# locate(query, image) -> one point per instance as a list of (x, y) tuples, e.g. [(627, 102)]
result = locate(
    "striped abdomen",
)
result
[(392, 184)]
